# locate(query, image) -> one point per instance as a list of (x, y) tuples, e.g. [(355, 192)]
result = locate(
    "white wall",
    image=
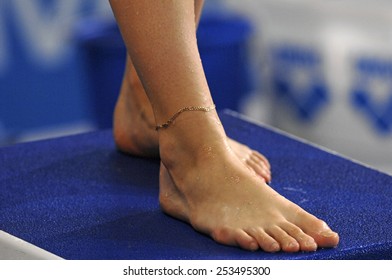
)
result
[(342, 47)]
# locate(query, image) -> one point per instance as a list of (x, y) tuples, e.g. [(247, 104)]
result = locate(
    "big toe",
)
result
[(326, 238), (317, 229), (322, 234)]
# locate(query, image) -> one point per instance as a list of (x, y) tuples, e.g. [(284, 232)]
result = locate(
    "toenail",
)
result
[(275, 247), (293, 245), (328, 233), (311, 244), (253, 246)]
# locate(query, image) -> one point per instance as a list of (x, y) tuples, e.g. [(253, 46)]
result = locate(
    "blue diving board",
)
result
[(79, 198)]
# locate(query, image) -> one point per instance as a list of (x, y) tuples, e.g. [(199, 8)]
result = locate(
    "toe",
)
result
[(245, 241), (262, 162), (326, 238), (259, 157), (235, 237), (286, 242), (318, 230), (259, 169), (264, 240), (305, 241)]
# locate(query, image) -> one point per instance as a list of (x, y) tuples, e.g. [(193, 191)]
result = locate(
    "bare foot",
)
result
[(134, 128), (206, 185)]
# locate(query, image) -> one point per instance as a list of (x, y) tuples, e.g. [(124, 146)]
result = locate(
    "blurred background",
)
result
[(321, 70)]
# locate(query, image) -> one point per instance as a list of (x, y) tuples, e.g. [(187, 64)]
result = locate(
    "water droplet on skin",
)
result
[(228, 148), (235, 179), (238, 215), (232, 179), (209, 151), (190, 69)]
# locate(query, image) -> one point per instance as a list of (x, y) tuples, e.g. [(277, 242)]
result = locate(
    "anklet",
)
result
[(185, 109)]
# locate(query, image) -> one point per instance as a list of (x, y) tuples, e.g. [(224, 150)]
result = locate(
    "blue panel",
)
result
[(42, 83), (91, 202), (307, 102), (370, 71)]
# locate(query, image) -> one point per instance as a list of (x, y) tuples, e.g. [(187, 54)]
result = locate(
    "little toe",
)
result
[(235, 237), (245, 241)]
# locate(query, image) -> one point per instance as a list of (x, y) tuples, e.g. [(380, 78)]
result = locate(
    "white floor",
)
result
[(13, 248)]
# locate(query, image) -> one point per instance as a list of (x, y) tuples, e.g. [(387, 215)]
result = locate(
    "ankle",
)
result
[(187, 144)]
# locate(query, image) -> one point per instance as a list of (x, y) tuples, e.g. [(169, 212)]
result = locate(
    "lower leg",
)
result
[(134, 123)]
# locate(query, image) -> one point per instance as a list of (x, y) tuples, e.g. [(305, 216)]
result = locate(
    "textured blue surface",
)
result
[(81, 199)]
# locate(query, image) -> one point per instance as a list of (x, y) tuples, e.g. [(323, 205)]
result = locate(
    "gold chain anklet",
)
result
[(185, 109)]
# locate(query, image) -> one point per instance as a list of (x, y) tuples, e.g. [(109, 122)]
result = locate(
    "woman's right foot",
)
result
[(135, 134), (204, 184), (219, 196)]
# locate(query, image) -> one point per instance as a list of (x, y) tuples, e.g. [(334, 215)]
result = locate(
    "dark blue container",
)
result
[(223, 45), (104, 56), (222, 41)]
